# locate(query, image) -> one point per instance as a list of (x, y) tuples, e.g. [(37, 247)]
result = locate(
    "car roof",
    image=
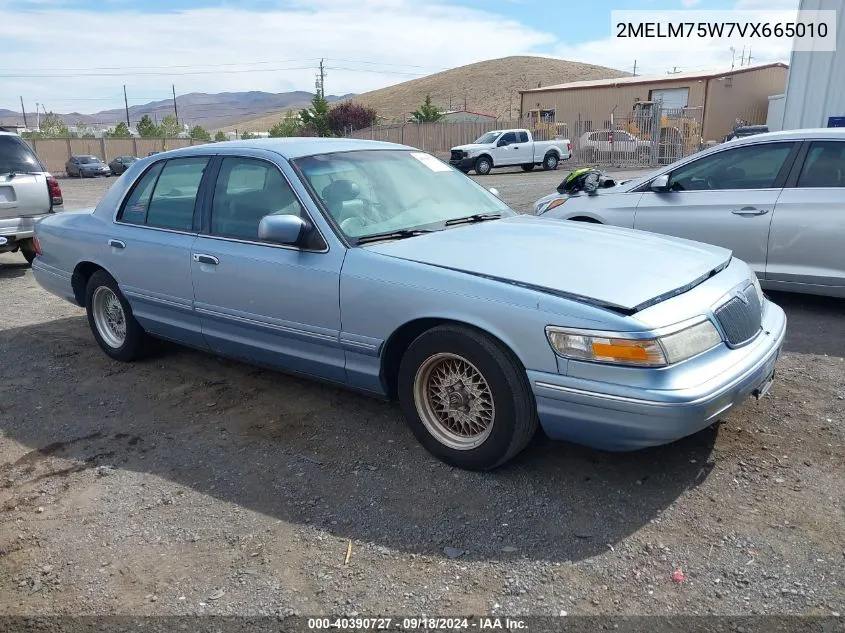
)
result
[(293, 147), (794, 135)]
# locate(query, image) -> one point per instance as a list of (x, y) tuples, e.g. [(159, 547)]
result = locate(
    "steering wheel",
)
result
[(351, 225)]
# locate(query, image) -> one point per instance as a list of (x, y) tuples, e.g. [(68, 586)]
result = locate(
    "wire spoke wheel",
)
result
[(454, 401), (109, 317)]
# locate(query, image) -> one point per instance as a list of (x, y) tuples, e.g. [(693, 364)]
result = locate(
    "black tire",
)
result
[(28, 251), (550, 161), (527, 166), (514, 420), (135, 341), (483, 165)]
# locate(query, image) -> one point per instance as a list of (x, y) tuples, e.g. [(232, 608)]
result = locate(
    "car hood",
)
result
[(470, 146), (613, 267)]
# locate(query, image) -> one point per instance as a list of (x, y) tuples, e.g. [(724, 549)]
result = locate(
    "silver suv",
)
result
[(27, 193)]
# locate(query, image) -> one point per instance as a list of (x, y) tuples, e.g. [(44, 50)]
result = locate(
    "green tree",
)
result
[(316, 118), (121, 130), (220, 136), (289, 126), (169, 126), (200, 133), (52, 126), (428, 112), (247, 135), (148, 129)]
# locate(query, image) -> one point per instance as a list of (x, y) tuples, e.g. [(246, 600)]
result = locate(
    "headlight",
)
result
[(625, 349), (757, 287), (545, 207)]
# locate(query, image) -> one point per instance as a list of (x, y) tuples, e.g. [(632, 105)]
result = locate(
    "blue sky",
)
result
[(75, 55)]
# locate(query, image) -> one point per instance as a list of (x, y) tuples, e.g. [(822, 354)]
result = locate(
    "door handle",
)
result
[(117, 243), (749, 211), (206, 259)]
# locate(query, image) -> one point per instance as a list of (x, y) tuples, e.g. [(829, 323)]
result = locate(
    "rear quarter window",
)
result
[(16, 156)]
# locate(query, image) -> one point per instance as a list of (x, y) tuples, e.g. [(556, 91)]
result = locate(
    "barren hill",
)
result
[(488, 87)]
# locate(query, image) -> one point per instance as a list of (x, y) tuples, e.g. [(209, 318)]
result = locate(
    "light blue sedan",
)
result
[(380, 268)]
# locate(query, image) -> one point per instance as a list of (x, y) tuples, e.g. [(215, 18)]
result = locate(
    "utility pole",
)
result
[(749, 54), (635, 68), (742, 58), (23, 111), (322, 80), (733, 57), (37, 117), (126, 105), (175, 110)]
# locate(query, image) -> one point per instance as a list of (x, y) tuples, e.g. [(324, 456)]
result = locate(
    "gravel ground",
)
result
[(189, 484)]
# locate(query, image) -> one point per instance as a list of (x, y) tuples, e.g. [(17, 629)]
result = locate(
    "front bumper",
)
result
[(17, 229), (598, 415), (463, 164), (91, 173)]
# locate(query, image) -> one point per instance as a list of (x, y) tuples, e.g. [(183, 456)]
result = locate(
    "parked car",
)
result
[(776, 200), (86, 167), (380, 268), (508, 148), (619, 144), (120, 164), (28, 192)]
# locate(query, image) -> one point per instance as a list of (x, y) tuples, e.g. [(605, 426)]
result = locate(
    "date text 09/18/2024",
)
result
[(416, 623)]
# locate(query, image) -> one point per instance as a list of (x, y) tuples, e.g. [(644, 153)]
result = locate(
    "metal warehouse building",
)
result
[(716, 100), (815, 93)]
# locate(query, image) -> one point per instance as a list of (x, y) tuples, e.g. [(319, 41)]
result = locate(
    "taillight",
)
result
[(569, 147), (55, 191), (36, 246)]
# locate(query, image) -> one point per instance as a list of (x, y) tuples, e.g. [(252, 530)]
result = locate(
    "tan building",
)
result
[(716, 100)]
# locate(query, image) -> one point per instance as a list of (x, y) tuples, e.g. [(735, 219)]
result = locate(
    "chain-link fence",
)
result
[(650, 136)]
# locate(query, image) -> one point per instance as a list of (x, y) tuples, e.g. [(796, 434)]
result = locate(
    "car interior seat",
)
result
[(341, 198)]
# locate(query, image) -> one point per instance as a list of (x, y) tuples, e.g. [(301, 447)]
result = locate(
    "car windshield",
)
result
[(484, 139), (88, 159), (369, 192)]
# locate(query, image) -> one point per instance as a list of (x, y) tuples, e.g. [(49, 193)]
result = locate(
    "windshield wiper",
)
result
[(478, 217), (392, 235)]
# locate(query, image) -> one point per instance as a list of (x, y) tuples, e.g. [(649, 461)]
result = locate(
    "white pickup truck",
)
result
[(507, 148)]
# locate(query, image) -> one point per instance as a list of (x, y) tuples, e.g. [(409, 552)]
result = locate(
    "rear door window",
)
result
[(824, 165), (523, 137), (16, 157), (166, 195)]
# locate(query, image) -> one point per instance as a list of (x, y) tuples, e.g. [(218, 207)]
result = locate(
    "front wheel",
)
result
[(466, 398), (483, 165), (110, 317), (550, 161)]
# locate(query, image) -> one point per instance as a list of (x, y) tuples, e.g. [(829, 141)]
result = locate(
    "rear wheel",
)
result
[(483, 165), (466, 398), (111, 320), (527, 166), (28, 251), (550, 161)]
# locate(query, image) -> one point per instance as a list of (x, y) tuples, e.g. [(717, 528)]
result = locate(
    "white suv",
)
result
[(602, 144), (27, 192)]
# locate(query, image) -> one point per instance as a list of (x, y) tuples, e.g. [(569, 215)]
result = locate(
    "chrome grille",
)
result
[(740, 320)]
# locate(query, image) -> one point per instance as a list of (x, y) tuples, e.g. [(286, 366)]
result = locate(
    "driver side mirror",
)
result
[(282, 229), (660, 184)]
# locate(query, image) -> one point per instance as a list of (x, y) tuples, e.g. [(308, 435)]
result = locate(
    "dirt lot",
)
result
[(188, 484)]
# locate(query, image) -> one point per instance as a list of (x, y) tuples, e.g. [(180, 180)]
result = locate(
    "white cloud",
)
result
[(404, 36)]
